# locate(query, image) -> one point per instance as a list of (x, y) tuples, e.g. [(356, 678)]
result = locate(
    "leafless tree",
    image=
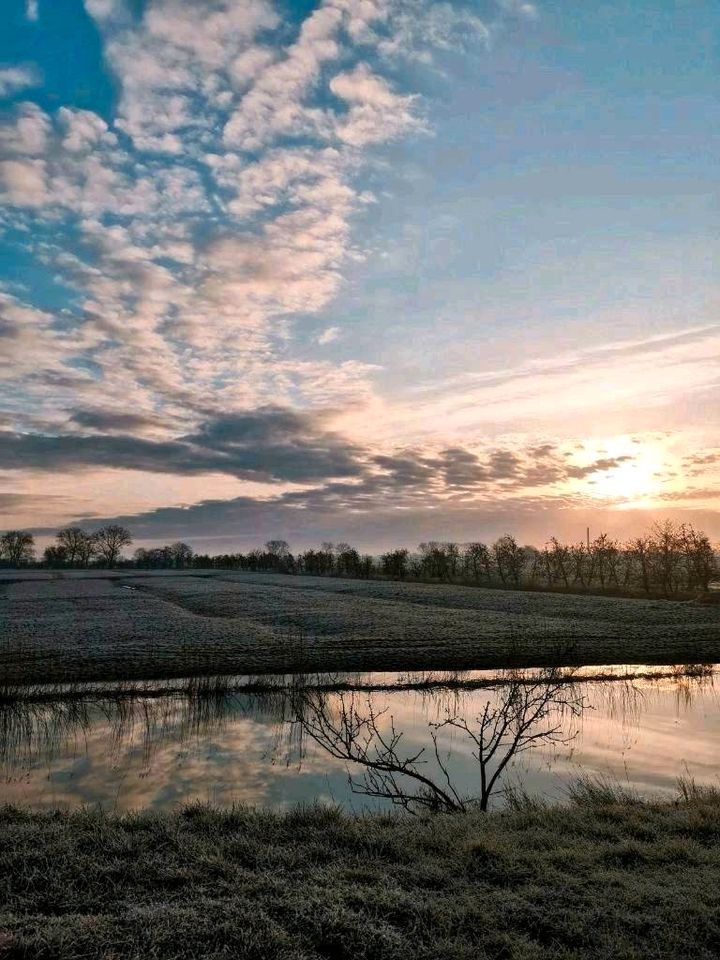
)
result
[(394, 564), (182, 554), (698, 558), (55, 556), (278, 548), (529, 712), (509, 559), (87, 549), (75, 542), (110, 540), (477, 561), (17, 546)]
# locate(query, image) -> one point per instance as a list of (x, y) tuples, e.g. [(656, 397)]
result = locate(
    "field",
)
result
[(606, 877), (139, 625)]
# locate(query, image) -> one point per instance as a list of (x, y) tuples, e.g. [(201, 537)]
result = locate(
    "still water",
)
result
[(228, 743)]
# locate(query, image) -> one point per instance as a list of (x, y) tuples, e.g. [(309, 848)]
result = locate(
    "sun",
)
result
[(628, 481), (635, 480)]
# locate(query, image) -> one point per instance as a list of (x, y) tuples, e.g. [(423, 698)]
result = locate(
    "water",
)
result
[(129, 750)]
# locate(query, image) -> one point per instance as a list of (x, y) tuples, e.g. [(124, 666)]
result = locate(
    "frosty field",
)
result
[(131, 625)]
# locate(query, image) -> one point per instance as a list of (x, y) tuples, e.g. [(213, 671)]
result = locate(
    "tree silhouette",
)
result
[(110, 540)]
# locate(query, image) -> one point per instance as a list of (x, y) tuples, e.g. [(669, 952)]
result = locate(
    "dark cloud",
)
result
[(407, 469), (339, 511), (696, 463), (269, 444), (462, 469), (597, 466), (106, 420), (306, 518)]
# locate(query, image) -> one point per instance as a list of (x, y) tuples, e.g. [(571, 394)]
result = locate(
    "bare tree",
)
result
[(394, 564), (55, 556), (666, 556), (530, 711), (182, 554), (74, 540), (110, 540), (561, 560), (17, 546), (509, 559), (477, 561), (278, 548), (87, 549), (698, 558)]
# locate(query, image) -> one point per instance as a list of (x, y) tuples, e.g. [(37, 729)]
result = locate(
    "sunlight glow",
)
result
[(633, 482)]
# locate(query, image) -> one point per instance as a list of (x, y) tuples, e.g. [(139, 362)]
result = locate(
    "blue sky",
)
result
[(382, 270)]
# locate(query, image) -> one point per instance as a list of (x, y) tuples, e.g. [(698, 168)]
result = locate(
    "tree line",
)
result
[(74, 547), (669, 560)]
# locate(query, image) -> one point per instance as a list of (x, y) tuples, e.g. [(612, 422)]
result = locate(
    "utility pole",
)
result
[(587, 534)]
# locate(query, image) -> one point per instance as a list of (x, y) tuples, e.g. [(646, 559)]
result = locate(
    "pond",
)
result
[(230, 741)]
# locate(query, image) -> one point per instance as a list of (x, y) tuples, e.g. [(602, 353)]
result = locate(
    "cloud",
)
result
[(83, 130), (519, 8), (29, 133), (172, 66), (24, 182), (644, 374), (419, 30), (376, 113), (269, 444), (31, 10), (14, 78), (168, 310), (189, 230), (328, 335), (108, 421), (307, 518)]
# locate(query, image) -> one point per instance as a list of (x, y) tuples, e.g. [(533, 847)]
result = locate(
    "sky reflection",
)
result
[(159, 751)]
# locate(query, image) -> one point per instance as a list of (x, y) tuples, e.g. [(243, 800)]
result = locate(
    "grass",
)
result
[(605, 876), (111, 628)]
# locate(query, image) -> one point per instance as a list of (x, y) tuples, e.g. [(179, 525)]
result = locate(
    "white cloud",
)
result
[(84, 130), (23, 182), (328, 335), (519, 8), (376, 113), (14, 78), (31, 10), (172, 65), (28, 135), (250, 64), (189, 255), (419, 29)]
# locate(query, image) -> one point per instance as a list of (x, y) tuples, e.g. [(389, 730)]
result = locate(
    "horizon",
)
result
[(381, 272)]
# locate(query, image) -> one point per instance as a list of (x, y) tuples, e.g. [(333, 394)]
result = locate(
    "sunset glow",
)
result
[(380, 271)]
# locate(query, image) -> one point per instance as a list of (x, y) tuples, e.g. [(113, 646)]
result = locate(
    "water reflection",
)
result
[(237, 740), (522, 714)]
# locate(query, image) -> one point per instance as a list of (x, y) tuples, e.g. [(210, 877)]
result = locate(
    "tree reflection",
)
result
[(525, 714), (494, 718)]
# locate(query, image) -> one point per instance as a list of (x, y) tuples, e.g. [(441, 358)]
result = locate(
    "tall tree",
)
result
[(278, 548), (110, 540), (74, 540), (182, 554), (17, 546)]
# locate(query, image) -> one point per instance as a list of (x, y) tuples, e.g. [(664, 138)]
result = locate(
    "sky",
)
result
[(378, 271)]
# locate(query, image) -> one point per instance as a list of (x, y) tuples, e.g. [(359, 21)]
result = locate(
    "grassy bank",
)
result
[(607, 876)]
